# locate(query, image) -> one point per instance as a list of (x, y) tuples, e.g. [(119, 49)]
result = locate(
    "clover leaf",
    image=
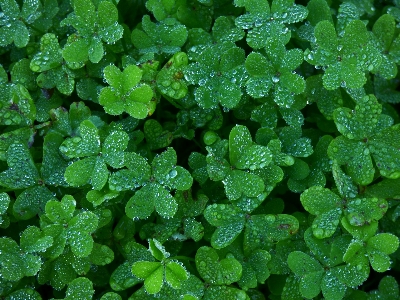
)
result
[(346, 59), (14, 21), (214, 270), (277, 71), (16, 262), (327, 273), (67, 122), (66, 228), (20, 135), (166, 36), (358, 211), (54, 165), (170, 78), (155, 273), (231, 220), (49, 62), (293, 143), (93, 168), (79, 288), (122, 278), (243, 155), (373, 249), (20, 261), (165, 175), (4, 202), (22, 172), (389, 43), (326, 100), (219, 73), (387, 288), (363, 139), (93, 28), (267, 24), (16, 105), (163, 9), (126, 93)]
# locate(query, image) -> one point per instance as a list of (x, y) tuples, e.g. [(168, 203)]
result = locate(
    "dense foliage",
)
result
[(199, 149)]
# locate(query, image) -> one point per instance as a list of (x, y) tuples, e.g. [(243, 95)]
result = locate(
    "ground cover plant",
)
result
[(199, 149)]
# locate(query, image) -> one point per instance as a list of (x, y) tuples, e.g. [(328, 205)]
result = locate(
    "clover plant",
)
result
[(199, 149)]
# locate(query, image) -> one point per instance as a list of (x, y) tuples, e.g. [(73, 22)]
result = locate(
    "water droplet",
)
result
[(173, 173)]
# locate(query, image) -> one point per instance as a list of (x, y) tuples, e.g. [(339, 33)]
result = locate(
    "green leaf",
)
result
[(167, 36), (356, 156), (384, 30), (311, 200), (318, 10), (343, 182), (170, 80), (215, 270), (239, 183), (227, 60), (49, 56), (80, 228), (365, 210), (80, 172), (360, 232), (32, 201), (328, 212), (254, 157), (21, 135), (267, 25), (151, 196), (293, 144), (88, 143), (262, 230), (101, 255), (113, 148), (4, 202), (175, 274), (229, 222), (109, 29), (125, 93), (79, 288), (15, 263), (16, 106), (385, 242), (388, 288), (60, 212), (387, 188), (360, 122), (152, 273), (155, 135), (239, 139), (162, 10), (24, 294), (33, 240), (111, 296), (257, 261), (15, 29), (310, 271), (380, 262), (122, 277), (157, 250), (54, 165), (383, 149)]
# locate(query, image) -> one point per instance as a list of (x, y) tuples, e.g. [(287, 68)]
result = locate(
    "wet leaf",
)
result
[(214, 270)]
